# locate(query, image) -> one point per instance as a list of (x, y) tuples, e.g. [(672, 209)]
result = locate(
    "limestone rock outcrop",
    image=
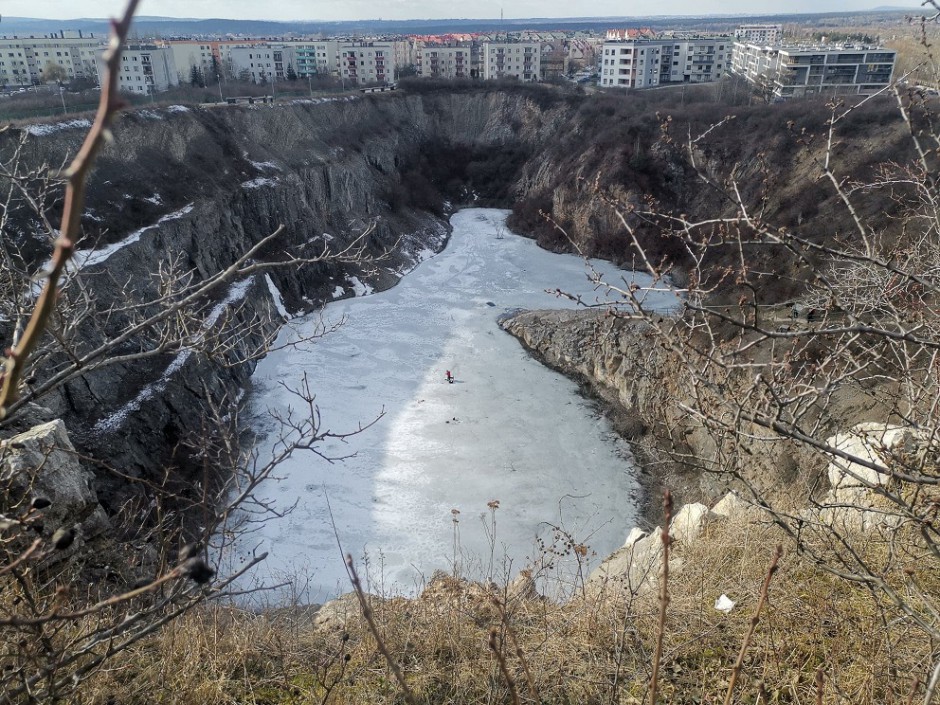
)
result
[(42, 463)]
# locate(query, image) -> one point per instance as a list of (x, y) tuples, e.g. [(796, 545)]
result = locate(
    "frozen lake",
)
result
[(508, 429)]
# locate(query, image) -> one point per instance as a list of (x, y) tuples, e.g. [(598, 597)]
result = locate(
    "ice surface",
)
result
[(508, 429)]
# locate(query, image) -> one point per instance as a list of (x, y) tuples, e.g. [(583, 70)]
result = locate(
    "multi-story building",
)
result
[(261, 63), (407, 52), (315, 58), (444, 61), (145, 68), (187, 55), (367, 62), (759, 33), (63, 55), (795, 71), (644, 63), (520, 60), (554, 58)]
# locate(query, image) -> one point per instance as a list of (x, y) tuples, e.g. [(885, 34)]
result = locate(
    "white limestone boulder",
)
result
[(869, 442), (336, 614), (690, 521), (42, 463), (632, 569), (522, 587), (732, 506), (636, 533)]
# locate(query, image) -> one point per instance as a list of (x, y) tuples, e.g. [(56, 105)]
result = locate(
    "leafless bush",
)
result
[(57, 625), (858, 344)]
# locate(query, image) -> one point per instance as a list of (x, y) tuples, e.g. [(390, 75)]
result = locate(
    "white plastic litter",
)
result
[(724, 604)]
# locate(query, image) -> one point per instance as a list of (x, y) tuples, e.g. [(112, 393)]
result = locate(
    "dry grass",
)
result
[(582, 651)]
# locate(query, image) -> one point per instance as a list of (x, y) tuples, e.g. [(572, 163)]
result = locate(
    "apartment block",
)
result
[(186, 55), (28, 60), (646, 63), (261, 63), (444, 61), (315, 58), (520, 60), (759, 33), (796, 71), (145, 68), (363, 63), (407, 52)]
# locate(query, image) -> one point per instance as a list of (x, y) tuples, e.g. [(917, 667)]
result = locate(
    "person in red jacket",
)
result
[(450, 377)]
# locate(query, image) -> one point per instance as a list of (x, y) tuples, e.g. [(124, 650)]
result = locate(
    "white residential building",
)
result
[(520, 60), (186, 55), (795, 71), (363, 63), (315, 58), (27, 60), (145, 68), (407, 52), (444, 61), (261, 63), (644, 63), (759, 33)]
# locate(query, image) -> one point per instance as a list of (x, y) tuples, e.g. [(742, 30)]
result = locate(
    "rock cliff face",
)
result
[(192, 189), (620, 363), (646, 385)]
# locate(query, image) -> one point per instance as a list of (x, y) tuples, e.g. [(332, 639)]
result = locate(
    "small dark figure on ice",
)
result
[(450, 377)]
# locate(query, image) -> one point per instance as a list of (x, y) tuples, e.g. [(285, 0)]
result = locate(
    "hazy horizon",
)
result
[(305, 10)]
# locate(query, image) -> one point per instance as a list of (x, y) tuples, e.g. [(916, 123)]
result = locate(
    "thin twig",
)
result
[(501, 660), (913, 692), (373, 628), (739, 664), (932, 685), (530, 682), (663, 597)]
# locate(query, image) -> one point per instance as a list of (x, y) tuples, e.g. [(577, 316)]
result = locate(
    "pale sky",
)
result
[(419, 9)]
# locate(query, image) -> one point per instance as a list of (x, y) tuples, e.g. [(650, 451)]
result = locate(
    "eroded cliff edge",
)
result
[(188, 190), (199, 186)]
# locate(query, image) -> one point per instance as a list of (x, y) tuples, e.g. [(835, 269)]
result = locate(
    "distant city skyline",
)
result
[(288, 10)]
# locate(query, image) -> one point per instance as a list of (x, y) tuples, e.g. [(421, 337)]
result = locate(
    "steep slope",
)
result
[(196, 187)]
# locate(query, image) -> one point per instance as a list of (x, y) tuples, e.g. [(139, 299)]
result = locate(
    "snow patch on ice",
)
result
[(177, 109), (100, 255), (40, 130), (113, 422), (155, 199), (260, 182), (360, 288), (276, 297)]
